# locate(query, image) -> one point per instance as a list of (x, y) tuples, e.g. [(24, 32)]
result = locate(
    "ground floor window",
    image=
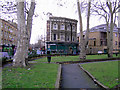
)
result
[(54, 36)]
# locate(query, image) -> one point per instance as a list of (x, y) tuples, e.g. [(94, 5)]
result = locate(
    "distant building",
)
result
[(62, 35), (119, 20), (8, 33), (98, 39), (119, 17)]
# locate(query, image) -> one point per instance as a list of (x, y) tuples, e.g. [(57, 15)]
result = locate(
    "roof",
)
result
[(11, 23), (102, 28), (64, 18)]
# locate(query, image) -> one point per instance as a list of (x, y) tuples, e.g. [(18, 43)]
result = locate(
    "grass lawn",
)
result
[(73, 58), (43, 75), (40, 75), (105, 72), (60, 59), (103, 56)]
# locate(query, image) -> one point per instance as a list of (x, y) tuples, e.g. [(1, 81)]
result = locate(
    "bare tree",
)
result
[(25, 12), (107, 10), (29, 25), (8, 10), (24, 33), (83, 40)]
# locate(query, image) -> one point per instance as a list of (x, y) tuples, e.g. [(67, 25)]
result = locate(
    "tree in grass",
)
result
[(25, 12), (24, 32), (83, 40), (107, 10)]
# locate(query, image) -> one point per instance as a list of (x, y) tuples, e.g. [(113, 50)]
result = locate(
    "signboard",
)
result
[(52, 44)]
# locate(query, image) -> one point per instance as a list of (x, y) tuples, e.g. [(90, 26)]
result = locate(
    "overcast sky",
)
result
[(68, 10), (59, 9)]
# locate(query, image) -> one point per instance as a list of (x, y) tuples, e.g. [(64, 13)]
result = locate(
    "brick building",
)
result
[(98, 39), (62, 35), (8, 34)]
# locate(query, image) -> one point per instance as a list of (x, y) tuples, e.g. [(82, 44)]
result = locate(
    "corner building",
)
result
[(62, 35)]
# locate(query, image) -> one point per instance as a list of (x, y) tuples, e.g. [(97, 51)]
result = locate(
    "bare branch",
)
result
[(102, 8)]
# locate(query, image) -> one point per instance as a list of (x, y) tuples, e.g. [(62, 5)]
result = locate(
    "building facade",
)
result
[(8, 34), (62, 35), (119, 20), (98, 39)]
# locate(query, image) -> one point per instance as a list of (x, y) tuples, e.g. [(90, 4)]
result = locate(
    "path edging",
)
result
[(93, 78), (57, 84)]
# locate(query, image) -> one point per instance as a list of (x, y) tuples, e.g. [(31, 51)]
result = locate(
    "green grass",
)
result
[(102, 56), (73, 58), (105, 72), (41, 75), (60, 59)]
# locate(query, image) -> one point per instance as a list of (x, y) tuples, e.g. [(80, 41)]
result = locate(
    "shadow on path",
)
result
[(74, 77)]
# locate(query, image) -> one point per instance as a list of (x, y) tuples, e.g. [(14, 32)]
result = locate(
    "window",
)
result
[(67, 38), (62, 37), (101, 43), (115, 42), (115, 34), (77, 39), (54, 36), (73, 27), (62, 27), (101, 28), (94, 43), (5, 26), (2, 33), (55, 26), (73, 38), (68, 27)]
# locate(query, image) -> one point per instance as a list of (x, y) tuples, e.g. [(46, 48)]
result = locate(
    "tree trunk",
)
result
[(111, 37), (24, 34), (29, 27), (81, 32), (87, 32), (83, 42), (108, 39), (19, 57)]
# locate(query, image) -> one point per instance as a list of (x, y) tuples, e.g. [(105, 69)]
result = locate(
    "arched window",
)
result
[(62, 36), (62, 26), (55, 26), (68, 27), (73, 27)]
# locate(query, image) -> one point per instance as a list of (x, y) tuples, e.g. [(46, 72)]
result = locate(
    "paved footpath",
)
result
[(74, 77)]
